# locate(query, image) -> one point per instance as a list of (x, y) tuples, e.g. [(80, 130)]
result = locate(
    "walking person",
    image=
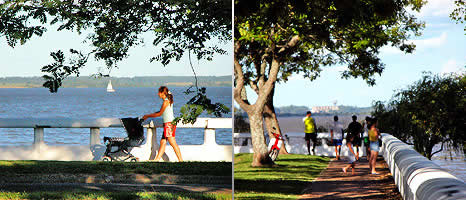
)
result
[(310, 132), (355, 128), (336, 133), (169, 129), (365, 137), (352, 157), (374, 144)]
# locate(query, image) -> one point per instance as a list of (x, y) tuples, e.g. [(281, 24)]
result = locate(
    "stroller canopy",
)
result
[(133, 127)]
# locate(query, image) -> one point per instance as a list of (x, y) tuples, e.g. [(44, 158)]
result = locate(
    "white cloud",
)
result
[(436, 8), (390, 50), (431, 42), (421, 44), (439, 25), (451, 66)]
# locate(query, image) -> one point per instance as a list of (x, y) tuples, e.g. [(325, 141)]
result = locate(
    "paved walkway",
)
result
[(333, 183), (33, 187)]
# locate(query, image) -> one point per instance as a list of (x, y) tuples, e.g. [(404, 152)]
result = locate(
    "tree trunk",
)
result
[(261, 156), (270, 118)]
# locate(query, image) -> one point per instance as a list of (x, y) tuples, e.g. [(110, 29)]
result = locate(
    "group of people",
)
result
[(354, 131)]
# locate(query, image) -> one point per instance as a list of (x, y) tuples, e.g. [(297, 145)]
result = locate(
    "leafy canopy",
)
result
[(178, 28), (429, 112), (330, 32)]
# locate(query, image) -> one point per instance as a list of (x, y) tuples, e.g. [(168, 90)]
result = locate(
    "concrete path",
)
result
[(333, 183), (32, 187)]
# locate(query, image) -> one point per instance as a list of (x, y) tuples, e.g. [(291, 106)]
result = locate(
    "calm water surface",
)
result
[(96, 103)]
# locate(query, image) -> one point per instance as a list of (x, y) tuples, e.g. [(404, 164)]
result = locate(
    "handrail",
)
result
[(104, 123), (416, 176), (212, 150)]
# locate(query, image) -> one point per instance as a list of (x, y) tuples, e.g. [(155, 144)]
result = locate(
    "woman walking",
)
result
[(373, 144), (166, 111)]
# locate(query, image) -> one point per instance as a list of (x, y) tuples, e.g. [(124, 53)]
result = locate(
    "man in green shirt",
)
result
[(310, 132)]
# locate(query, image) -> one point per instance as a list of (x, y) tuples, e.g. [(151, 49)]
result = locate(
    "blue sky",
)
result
[(441, 49), (27, 59)]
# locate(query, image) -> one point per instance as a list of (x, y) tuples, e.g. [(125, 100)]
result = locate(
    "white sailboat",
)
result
[(110, 87)]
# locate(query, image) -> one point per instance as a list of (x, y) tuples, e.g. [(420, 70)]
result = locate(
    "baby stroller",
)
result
[(123, 145)]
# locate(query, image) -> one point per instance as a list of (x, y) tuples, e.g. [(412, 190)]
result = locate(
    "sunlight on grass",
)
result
[(286, 180), (114, 195), (98, 167)]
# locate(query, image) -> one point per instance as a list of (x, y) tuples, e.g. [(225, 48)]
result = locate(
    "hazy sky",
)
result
[(441, 48), (27, 59)]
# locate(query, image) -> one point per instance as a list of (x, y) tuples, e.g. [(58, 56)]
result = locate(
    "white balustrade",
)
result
[(209, 151)]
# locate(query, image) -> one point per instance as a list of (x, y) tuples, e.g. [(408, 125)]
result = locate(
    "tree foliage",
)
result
[(459, 13), (278, 38), (429, 112), (113, 27), (330, 32)]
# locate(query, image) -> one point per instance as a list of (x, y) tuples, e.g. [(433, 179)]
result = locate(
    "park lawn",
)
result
[(99, 167), (286, 180), (115, 195), (37, 172)]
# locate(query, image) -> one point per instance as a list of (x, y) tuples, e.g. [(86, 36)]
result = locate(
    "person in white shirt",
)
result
[(336, 133), (365, 137), (169, 128)]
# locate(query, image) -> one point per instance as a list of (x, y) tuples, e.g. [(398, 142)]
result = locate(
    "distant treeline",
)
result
[(141, 81)]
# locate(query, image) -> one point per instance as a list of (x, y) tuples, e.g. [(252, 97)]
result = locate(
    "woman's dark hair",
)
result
[(164, 90), (371, 122), (335, 118)]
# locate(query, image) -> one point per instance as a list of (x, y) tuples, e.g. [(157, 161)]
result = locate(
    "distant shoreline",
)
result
[(13, 87), (119, 82), (22, 87)]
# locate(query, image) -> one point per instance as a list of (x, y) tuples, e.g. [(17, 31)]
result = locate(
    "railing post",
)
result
[(209, 136), (38, 137), (95, 136), (152, 138)]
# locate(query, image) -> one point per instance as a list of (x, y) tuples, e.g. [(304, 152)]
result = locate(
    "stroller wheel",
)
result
[(134, 160), (106, 159)]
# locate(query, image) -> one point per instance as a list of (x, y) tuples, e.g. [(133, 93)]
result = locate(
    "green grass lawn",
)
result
[(98, 167), (114, 195), (286, 180), (198, 173)]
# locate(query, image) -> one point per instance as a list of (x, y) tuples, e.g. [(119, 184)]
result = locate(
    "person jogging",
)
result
[(336, 133), (310, 132)]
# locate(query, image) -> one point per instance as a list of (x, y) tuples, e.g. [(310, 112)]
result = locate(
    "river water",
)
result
[(97, 103)]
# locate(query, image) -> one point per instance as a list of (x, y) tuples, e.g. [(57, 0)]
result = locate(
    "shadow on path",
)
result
[(333, 183)]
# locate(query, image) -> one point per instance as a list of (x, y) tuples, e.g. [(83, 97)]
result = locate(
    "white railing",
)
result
[(208, 151), (417, 177), (296, 144)]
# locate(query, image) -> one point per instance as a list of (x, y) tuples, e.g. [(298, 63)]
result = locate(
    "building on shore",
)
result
[(324, 109)]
